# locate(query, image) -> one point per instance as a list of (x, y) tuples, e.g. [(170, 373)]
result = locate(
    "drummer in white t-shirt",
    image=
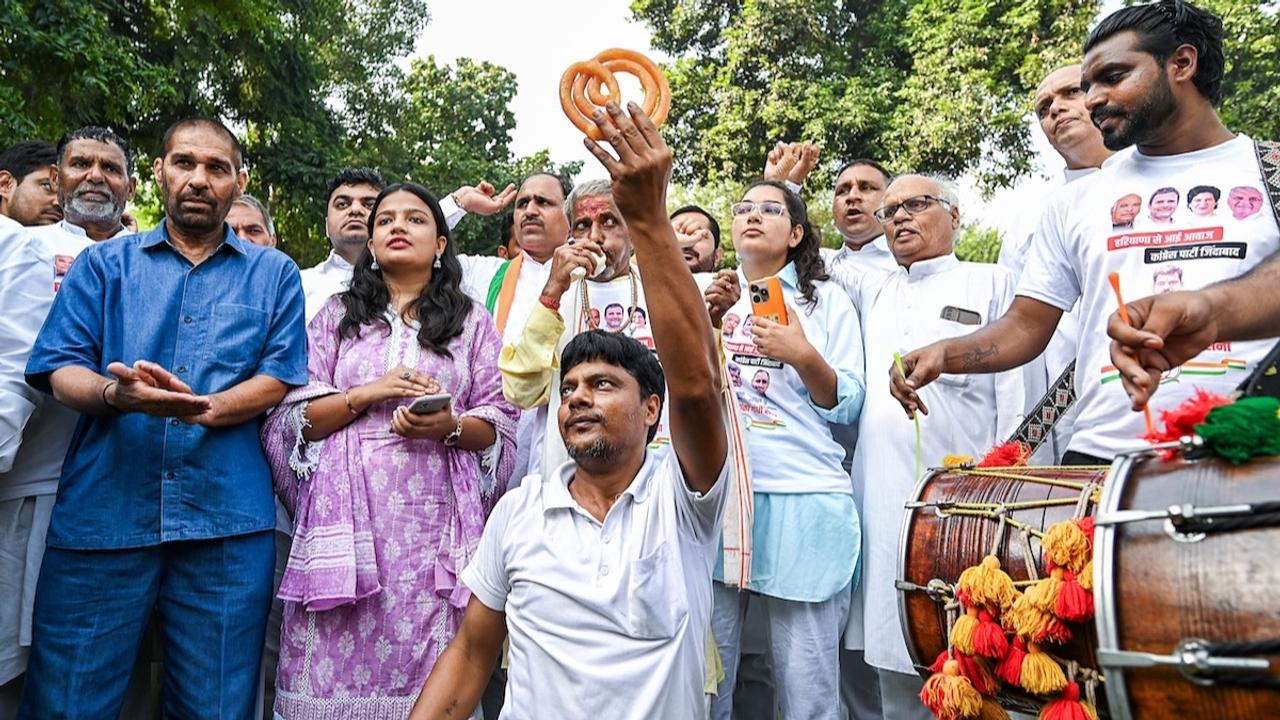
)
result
[(1152, 80)]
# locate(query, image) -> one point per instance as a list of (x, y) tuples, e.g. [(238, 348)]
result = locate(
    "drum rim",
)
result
[(908, 511), (1104, 596)]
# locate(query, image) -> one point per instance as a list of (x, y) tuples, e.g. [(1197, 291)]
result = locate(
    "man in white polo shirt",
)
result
[(600, 571)]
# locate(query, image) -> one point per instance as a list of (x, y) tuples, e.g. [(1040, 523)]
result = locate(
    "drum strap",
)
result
[(1265, 380), (1038, 424)]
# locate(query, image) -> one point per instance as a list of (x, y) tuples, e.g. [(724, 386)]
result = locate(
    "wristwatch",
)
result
[(452, 438)]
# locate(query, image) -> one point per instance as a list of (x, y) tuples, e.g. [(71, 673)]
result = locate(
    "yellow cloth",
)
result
[(529, 364), (715, 668)]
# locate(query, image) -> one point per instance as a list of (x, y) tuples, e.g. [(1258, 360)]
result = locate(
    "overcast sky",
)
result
[(538, 40)]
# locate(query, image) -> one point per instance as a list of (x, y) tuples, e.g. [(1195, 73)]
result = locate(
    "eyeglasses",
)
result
[(770, 208), (913, 206)]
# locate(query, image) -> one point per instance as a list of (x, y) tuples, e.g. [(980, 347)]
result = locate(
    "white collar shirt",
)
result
[(903, 311), (874, 256), (605, 620), (45, 426)]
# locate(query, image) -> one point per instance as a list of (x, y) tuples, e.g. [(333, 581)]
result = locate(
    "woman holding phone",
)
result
[(388, 502), (804, 356)]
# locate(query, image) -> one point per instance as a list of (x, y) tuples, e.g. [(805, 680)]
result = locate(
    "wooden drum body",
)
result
[(938, 543), (1159, 592)]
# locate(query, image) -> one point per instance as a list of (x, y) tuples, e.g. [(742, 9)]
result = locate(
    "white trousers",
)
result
[(804, 649)]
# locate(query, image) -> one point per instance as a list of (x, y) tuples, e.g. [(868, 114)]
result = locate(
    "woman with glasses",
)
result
[(389, 498), (805, 539)]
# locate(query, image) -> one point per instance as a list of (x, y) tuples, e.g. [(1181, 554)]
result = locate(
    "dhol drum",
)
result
[(953, 522), (1186, 574), (1186, 569)]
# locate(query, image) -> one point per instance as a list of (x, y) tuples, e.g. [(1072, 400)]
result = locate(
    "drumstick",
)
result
[(1124, 316), (915, 417)]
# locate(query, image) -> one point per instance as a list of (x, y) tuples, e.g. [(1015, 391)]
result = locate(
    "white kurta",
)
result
[(902, 311)]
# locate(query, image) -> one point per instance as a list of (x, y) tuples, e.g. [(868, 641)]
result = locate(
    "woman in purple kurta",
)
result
[(388, 506)]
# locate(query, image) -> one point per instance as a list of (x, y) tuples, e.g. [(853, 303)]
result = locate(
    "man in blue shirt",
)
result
[(171, 344)]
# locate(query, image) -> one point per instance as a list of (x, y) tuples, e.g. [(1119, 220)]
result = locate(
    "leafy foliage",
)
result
[(978, 243), (311, 85), (922, 85)]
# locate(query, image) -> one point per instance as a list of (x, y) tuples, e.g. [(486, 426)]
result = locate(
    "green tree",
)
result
[(978, 243), (921, 84), (933, 85)]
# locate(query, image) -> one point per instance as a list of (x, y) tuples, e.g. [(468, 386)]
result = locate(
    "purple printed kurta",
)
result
[(383, 525)]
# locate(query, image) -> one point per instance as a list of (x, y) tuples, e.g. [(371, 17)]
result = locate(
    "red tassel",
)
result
[(1053, 631), (1074, 603), (938, 664), (1069, 706), (1086, 526), (1009, 454), (989, 639), (1182, 420), (1009, 669), (978, 674)]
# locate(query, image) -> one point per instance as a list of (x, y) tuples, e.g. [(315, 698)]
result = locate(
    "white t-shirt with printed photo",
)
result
[(1080, 244)]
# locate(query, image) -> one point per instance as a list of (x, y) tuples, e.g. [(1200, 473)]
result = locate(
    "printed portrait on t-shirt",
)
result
[(639, 321), (760, 383), (748, 326), (614, 316), (1162, 205), (1125, 211), (1166, 279), (1244, 202), (593, 318), (735, 374), (61, 266), (1203, 200), (729, 324)]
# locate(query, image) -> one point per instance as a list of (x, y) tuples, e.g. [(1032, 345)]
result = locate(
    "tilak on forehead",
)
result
[(592, 207)]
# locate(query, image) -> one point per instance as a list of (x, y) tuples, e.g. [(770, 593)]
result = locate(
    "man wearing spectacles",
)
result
[(931, 295), (1152, 77)]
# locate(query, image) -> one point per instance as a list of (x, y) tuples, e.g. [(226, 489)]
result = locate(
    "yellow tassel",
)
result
[(955, 461), (991, 710), (1041, 674), (988, 585), (950, 695), (1066, 545), (962, 632), (1032, 610), (1085, 578)]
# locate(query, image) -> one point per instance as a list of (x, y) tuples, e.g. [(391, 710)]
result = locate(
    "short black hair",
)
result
[(620, 351), (506, 228), (101, 134), (1162, 27), (237, 152), (355, 176), (888, 176), (1164, 191), (1198, 189), (566, 187), (715, 226), (23, 158)]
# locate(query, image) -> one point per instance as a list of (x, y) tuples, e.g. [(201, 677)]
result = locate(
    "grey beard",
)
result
[(80, 212), (597, 450)]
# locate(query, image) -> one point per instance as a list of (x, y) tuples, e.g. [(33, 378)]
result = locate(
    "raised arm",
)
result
[(684, 338), (1015, 339)]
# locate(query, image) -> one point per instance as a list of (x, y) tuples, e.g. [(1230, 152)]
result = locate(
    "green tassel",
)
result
[(1249, 427)]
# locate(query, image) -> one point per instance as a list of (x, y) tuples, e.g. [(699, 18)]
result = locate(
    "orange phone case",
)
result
[(767, 300)]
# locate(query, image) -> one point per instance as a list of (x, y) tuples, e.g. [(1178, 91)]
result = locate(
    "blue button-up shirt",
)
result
[(135, 480)]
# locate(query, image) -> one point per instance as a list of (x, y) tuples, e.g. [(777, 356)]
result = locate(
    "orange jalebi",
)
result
[(588, 85)]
